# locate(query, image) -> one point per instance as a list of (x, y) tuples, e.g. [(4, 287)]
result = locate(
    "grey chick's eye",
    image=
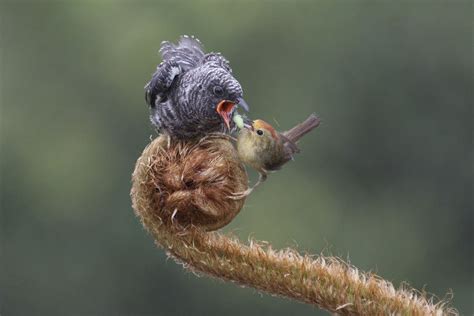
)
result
[(218, 91), (259, 132)]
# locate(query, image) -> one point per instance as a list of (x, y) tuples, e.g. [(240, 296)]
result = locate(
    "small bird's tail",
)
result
[(302, 129)]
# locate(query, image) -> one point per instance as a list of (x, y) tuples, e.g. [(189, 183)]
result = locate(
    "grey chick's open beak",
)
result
[(224, 109), (241, 102)]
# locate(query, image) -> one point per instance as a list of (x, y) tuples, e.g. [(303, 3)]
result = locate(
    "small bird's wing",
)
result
[(188, 53), (291, 137), (289, 146), (177, 59)]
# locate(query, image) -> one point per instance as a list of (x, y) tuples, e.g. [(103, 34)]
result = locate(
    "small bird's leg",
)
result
[(240, 195), (261, 178)]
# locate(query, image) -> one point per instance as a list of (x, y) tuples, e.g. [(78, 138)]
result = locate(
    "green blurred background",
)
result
[(385, 182)]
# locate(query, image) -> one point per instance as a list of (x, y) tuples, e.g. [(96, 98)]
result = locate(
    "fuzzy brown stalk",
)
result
[(326, 282)]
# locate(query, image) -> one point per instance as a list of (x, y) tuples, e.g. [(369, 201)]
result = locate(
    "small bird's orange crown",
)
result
[(260, 124)]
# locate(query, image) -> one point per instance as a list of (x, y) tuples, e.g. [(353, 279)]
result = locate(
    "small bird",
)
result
[(191, 93), (263, 148)]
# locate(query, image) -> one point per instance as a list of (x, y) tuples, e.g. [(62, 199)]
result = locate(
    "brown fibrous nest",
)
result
[(191, 183)]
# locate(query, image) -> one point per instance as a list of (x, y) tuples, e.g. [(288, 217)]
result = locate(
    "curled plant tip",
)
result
[(189, 182), (179, 193)]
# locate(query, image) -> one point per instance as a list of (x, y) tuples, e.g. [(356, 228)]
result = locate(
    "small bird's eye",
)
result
[(259, 132), (218, 91)]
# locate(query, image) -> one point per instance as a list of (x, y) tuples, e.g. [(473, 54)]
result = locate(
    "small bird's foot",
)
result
[(240, 195)]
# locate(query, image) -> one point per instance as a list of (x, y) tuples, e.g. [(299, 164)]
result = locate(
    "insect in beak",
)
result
[(224, 108)]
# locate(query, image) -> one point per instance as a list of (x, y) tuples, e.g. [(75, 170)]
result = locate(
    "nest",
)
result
[(190, 183)]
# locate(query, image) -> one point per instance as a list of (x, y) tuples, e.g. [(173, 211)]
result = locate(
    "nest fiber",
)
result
[(190, 183)]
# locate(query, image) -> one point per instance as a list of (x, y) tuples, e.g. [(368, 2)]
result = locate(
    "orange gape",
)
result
[(224, 108)]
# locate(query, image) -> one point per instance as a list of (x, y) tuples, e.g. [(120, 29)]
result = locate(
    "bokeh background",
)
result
[(385, 182)]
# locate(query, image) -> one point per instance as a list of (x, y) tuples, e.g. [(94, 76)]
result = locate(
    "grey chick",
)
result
[(191, 93)]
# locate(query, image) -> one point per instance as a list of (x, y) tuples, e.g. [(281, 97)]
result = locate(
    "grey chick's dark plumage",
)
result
[(186, 88)]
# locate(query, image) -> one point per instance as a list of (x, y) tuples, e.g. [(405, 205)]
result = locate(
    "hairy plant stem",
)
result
[(326, 282)]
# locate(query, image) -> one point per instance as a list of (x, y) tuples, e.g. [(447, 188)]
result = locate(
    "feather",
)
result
[(177, 59), (302, 129), (290, 147), (219, 60), (188, 53), (157, 89)]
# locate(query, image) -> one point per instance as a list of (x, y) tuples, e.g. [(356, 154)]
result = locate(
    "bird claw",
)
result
[(243, 194), (240, 195)]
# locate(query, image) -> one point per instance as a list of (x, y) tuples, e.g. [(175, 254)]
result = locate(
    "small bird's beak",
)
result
[(241, 102), (224, 108), (248, 124)]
